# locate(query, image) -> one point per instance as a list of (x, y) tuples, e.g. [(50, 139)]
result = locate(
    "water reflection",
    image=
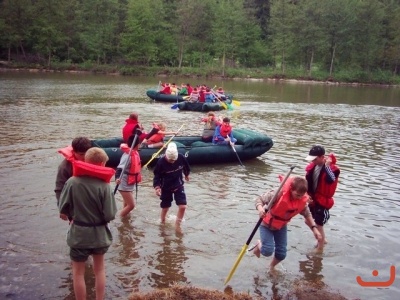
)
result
[(129, 241), (40, 113), (312, 268), (170, 258), (271, 285)]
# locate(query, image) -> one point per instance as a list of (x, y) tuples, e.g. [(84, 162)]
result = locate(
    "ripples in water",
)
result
[(362, 231)]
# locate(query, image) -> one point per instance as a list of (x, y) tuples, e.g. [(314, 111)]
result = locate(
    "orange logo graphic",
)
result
[(378, 283)]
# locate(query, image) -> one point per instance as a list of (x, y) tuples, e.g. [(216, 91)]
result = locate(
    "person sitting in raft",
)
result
[(209, 97), (183, 91), (154, 139), (220, 93), (223, 133), (189, 88), (194, 95), (202, 94), (174, 89), (166, 89), (211, 123)]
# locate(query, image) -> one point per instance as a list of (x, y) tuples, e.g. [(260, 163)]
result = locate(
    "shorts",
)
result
[(167, 196), (81, 255), (124, 186), (320, 214)]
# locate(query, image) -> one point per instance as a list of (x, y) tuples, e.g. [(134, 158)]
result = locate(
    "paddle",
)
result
[(234, 150), (235, 102), (176, 105), (222, 103), (256, 227), (164, 146), (127, 161)]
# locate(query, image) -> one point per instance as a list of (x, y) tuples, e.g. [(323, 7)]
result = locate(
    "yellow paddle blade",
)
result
[(224, 105), (244, 248), (235, 102), (162, 148)]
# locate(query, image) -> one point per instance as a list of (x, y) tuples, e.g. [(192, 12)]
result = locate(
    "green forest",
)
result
[(338, 40)]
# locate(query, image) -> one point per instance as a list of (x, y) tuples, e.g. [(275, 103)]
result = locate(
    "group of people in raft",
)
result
[(200, 93), (85, 198), (217, 130)]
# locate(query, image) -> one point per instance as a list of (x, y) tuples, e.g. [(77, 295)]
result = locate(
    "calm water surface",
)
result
[(40, 113)]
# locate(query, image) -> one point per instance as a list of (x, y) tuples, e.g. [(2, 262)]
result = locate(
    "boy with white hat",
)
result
[(168, 181)]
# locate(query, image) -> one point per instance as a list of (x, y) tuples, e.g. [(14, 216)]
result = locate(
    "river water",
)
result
[(41, 113)]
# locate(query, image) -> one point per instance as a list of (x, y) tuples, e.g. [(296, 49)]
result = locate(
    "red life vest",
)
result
[(156, 138), (324, 193), (68, 153), (134, 175), (128, 129), (285, 208), (225, 129), (166, 90), (81, 168)]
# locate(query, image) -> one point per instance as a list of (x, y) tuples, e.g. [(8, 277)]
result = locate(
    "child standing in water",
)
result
[(168, 182), (131, 177), (87, 200)]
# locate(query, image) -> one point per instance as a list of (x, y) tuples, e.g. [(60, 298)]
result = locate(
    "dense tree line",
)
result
[(312, 35)]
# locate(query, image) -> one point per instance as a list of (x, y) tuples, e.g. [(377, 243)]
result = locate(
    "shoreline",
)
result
[(276, 80)]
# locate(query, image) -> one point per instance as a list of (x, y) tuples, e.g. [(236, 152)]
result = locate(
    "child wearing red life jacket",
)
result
[(322, 175), (166, 89), (290, 201), (87, 200), (155, 138), (132, 166), (223, 133)]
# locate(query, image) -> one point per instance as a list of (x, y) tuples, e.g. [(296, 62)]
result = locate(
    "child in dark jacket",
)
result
[(168, 182)]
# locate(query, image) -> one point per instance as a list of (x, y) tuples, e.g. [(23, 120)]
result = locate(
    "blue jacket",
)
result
[(218, 139), (169, 176)]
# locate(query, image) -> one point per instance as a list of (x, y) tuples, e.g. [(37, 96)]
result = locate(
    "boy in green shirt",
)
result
[(88, 201)]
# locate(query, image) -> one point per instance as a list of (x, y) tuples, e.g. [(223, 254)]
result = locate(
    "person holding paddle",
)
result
[(129, 128), (223, 133), (168, 182), (155, 138), (130, 166), (290, 201)]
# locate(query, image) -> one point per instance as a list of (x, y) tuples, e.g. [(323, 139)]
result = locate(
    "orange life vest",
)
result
[(134, 175), (81, 168), (156, 138), (285, 208)]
